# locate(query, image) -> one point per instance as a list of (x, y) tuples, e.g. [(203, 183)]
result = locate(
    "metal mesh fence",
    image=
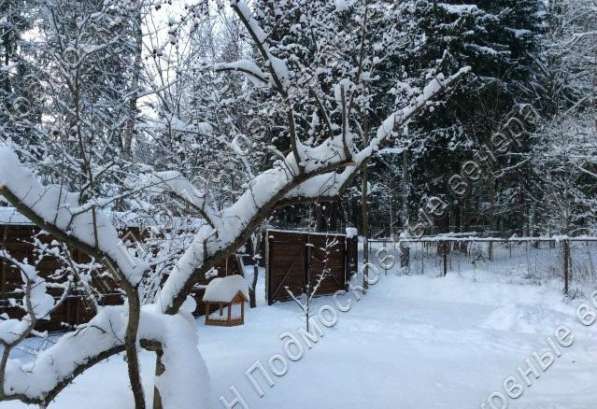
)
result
[(572, 261)]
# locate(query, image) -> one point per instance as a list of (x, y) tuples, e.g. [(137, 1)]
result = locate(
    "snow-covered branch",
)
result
[(319, 178), (276, 67), (278, 70), (585, 171), (318, 163), (36, 303), (175, 183), (330, 185), (51, 207), (249, 68), (40, 381)]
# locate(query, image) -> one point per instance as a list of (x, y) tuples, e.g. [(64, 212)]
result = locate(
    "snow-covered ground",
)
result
[(414, 342)]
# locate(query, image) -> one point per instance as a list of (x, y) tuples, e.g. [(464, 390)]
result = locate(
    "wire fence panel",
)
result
[(570, 261)]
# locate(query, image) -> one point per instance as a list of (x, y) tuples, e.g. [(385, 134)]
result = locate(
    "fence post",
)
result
[(404, 255), (384, 264), (444, 246), (308, 257), (566, 265)]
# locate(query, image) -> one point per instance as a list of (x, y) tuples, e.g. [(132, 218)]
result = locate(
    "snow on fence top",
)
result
[(351, 232), (457, 238), (224, 289), (309, 232)]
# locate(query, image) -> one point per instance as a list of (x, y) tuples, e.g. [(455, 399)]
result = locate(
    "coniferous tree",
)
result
[(19, 83), (498, 40)]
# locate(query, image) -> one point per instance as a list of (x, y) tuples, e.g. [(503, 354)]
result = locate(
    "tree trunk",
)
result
[(252, 296), (160, 368), (404, 213), (365, 225), (131, 348), (405, 190)]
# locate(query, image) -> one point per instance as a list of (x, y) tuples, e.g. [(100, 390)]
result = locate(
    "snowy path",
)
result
[(412, 343)]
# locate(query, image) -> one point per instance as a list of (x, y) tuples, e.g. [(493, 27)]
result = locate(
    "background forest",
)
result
[(151, 97)]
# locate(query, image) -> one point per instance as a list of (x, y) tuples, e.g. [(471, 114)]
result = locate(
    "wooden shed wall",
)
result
[(77, 308)]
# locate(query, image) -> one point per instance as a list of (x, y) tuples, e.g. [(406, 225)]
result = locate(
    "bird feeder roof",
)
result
[(224, 289)]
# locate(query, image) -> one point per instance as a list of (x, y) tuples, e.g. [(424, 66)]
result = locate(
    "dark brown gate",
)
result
[(295, 258)]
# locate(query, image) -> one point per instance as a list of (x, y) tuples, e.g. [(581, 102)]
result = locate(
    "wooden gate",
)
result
[(294, 259)]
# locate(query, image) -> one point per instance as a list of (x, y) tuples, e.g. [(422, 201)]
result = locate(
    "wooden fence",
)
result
[(294, 259), (77, 308)]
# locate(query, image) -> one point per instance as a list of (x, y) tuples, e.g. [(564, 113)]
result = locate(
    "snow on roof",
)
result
[(224, 289), (10, 215)]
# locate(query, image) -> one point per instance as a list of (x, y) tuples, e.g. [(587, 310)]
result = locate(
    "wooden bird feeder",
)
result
[(229, 294)]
